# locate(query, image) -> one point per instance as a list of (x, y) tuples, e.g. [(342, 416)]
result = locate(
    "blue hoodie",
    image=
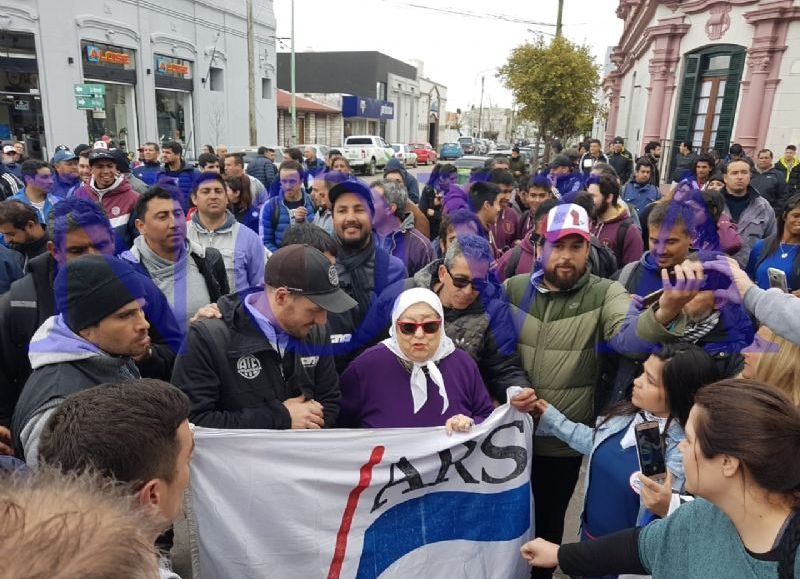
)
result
[(49, 201)]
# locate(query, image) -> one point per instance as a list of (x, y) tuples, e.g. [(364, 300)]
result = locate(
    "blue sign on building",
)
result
[(356, 106)]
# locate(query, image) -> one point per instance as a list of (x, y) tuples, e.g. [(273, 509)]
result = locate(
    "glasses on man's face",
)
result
[(462, 282), (410, 328)]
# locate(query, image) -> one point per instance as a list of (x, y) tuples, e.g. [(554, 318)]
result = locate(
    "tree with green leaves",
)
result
[(555, 86)]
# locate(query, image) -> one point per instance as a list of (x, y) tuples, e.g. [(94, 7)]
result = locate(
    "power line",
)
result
[(472, 14)]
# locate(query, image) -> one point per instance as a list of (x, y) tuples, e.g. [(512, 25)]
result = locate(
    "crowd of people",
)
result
[(137, 298)]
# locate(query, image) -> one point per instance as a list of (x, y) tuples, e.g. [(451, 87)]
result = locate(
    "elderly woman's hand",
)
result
[(458, 423), (525, 401)]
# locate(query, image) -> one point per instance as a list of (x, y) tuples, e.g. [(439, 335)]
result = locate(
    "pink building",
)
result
[(706, 71)]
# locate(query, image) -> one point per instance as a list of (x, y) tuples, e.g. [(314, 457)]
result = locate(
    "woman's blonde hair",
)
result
[(781, 368)]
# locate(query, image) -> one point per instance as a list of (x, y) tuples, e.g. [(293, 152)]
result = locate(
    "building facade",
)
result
[(377, 94), (317, 122), (708, 71), (133, 71)]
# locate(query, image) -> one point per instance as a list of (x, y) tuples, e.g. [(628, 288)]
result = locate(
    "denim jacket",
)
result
[(586, 439)]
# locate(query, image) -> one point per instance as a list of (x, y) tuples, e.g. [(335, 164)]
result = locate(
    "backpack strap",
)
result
[(626, 273), (622, 233)]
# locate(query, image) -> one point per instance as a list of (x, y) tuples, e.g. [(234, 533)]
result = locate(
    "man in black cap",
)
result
[(263, 364), (621, 160), (100, 330), (124, 169), (365, 269)]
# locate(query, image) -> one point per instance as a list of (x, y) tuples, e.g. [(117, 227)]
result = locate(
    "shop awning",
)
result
[(303, 104)]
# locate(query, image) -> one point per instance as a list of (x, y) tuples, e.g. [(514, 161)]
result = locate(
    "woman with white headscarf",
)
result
[(416, 377)]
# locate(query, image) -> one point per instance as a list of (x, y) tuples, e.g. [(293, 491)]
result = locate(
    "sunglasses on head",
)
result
[(410, 328), (461, 282)]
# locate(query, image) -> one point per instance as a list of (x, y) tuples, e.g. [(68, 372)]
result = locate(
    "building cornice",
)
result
[(695, 6)]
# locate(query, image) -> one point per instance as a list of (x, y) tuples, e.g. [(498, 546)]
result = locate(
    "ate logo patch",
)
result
[(248, 367)]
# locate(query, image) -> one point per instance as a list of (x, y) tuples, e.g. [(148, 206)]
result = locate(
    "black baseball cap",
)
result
[(352, 186), (101, 155), (560, 161), (619, 141), (306, 271)]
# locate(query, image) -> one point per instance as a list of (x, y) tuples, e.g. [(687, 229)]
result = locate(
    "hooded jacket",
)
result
[(49, 201), (30, 302), (148, 172), (409, 246), (791, 175), (118, 201), (607, 232), (240, 247), (504, 230), (623, 165), (412, 186), (561, 334), (274, 226), (183, 179), (63, 363), (235, 379)]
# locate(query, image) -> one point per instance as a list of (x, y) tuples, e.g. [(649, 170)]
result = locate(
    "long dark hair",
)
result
[(687, 368), (773, 244), (760, 426), (242, 186)]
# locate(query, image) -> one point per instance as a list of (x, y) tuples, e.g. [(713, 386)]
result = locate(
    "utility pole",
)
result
[(251, 75), (480, 110), (558, 21), (294, 102)]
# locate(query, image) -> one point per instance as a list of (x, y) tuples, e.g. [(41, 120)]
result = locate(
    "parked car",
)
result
[(451, 151), (250, 153), (466, 164), (524, 153), (426, 155), (405, 154), (366, 152), (469, 144)]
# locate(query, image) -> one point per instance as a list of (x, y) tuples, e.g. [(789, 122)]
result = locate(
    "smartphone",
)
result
[(777, 278), (712, 280), (652, 298), (650, 448)]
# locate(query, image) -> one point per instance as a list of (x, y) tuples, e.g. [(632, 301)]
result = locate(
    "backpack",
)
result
[(510, 270), (602, 261), (622, 233)]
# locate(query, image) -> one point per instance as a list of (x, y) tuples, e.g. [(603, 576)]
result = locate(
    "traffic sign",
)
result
[(90, 90), (90, 103)]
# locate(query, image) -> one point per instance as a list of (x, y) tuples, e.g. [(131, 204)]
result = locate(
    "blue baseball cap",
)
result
[(63, 155)]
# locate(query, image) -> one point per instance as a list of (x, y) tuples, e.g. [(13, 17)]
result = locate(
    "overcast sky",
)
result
[(456, 49)]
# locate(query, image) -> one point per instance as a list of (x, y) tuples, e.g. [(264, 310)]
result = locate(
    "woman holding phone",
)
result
[(664, 394), (740, 459), (781, 252)]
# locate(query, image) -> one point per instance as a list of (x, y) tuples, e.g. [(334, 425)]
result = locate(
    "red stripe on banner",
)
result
[(364, 480)]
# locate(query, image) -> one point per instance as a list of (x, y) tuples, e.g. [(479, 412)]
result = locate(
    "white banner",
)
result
[(362, 504)]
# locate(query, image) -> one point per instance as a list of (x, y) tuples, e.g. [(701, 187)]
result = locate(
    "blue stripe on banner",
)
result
[(443, 516)]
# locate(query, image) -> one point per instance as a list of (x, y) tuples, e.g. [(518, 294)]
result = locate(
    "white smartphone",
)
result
[(777, 278), (650, 449)]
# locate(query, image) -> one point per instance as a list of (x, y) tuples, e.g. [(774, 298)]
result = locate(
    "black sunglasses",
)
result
[(461, 282), (410, 328)]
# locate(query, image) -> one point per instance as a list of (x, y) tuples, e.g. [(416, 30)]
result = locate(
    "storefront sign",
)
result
[(90, 103), (173, 67), (97, 55), (368, 108), (90, 90)]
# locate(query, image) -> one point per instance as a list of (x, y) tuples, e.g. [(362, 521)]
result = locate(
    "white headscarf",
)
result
[(419, 383)]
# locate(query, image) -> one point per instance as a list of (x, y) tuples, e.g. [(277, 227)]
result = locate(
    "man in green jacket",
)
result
[(567, 317)]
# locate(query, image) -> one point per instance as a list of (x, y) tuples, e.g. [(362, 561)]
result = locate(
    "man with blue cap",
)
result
[(66, 178)]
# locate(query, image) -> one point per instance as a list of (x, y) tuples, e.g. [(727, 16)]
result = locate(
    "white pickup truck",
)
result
[(366, 152)]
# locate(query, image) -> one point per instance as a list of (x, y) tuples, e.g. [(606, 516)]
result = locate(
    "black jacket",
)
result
[(235, 379), (772, 186), (623, 165), (31, 300), (262, 169)]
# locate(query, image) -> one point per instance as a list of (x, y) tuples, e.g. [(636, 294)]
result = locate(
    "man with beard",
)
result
[(567, 316), (364, 269), (612, 224), (652, 152), (21, 229)]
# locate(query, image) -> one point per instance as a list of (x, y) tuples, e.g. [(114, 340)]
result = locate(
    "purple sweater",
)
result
[(376, 392)]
